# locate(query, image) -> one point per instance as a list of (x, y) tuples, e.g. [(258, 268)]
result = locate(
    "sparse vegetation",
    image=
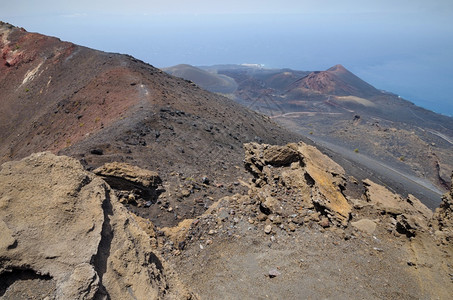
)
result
[(27, 90), (356, 150), (402, 158)]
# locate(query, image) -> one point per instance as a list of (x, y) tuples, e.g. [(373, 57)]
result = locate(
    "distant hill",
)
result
[(337, 106), (336, 81), (210, 81)]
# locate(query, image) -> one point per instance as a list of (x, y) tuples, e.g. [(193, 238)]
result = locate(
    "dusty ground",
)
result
[(232, 249), (232, 260)]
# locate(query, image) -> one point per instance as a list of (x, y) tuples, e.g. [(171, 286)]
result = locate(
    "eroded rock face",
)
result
[(442, 220), (409, 215), (303, 168), (65, 225), (125, 173), (133, 185)]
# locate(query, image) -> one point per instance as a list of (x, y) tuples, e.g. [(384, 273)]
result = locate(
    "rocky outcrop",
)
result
[(132, 184), (408, 215), (62, 225), (126, 174), (442, 221), (301, 168)]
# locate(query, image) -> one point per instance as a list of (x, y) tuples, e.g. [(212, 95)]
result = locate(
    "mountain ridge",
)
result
[(113, 107)]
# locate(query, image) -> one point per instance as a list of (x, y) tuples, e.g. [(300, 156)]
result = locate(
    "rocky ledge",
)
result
[(64, 235)]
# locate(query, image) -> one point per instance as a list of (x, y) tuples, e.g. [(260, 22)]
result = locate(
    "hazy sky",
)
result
[(403, 46)]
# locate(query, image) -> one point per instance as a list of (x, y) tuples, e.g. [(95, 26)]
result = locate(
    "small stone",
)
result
[(267, 229), (148, 203), (298, 219), (251, 221), (365, 225), (97, 151), (324, 222), (208, 242), (181, 245), (211, 232), (292, 227), (170, 209), (274, 273), (205, 180), (185, 193), (262, 217), (277, 220)]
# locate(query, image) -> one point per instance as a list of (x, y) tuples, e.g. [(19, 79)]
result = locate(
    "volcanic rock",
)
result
[(410, 213), (301, 167), (119, 172), (365, 225), (65, 226)]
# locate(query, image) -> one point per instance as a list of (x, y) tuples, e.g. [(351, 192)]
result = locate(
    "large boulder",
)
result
[(303, 168), (63, 228)]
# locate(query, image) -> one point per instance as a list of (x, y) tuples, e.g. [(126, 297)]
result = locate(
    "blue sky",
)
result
[(405, 47)]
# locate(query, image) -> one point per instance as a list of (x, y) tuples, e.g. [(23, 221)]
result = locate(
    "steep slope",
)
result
[(102, 107)]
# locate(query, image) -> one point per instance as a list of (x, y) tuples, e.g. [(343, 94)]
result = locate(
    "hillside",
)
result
[(101, 107)]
